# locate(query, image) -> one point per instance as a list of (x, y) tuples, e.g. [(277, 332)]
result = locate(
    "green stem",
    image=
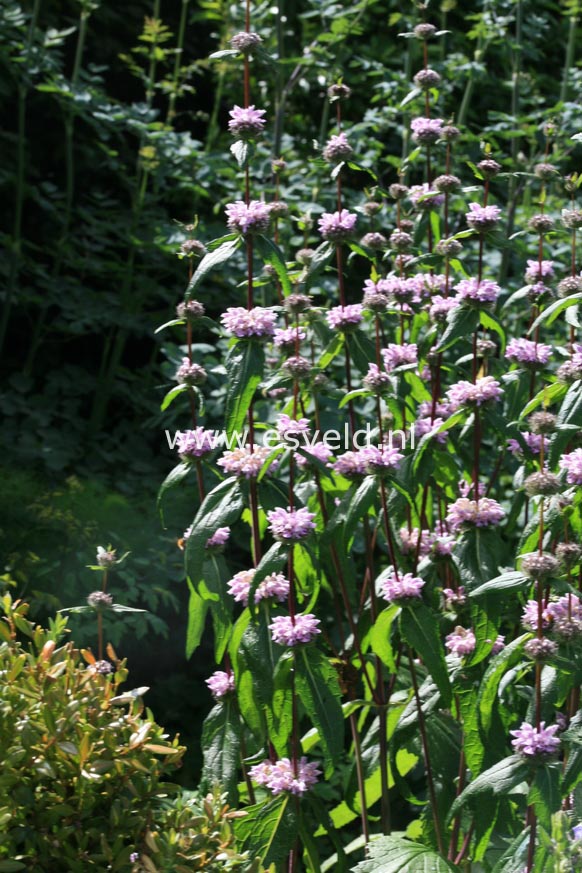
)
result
[(16, 246), (177, 61), (569, 61), (151, 81)]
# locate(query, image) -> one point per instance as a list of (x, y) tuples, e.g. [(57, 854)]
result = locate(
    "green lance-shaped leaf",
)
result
[(361, 349), (221, 747), (271, 254), (317, 688), (398, 855), (197, 611), (222, 249), (500, 779), (501, 663), (360, 504), (213, 588), (544, 794), (171, 396), (280, 711), (268, 831), (220, 508), (244, 368), (380, 636), (420, 630), (552, 311), (477, 555), (549, 394), (511, 581), (461, 324), (491, 322), (174, 477)]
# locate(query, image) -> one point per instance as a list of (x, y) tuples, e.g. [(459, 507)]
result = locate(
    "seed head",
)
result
[(540, 567), (449, 248), (542, 484), (296, 303), (568, 554), (192, 248), (572, 218), (424, 31), (488, 168), (450, 133), (540, 649), (190, 310), (304, 256), (372, 207), (486, 348), (545, 171), (401, 241), (569, 285), (427, 79), (541, 223), (447, 183), (398, 191), (542, 422), (245, 42), (374, 240), (339, 91), (100, 601)]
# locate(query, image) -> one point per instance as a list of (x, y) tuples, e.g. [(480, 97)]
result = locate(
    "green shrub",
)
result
[(83, 765)]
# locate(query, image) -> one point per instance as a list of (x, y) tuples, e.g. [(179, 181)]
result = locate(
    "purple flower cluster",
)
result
[(218, 539), (337, 226), (245, 218), (196, 443), (476, 393), (288, 337), (526, 351), (190, 373), (475, 291), (292, 427), (461, 641), (533, 442), (288, 631), (532, 742), (572, 464), (383, 459), (401, 588), (352, 465), (465, 512), (318, 451), (344, 317), (395, 355), (245, 323), (425, 197), (281, 776), (221, 683), (482, 218), (246, 463), (291, 525), (337, 148), (275, 585), (426, 131), (246, 123), (538, 271)]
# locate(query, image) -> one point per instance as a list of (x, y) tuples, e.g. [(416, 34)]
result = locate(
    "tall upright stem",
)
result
[(16, 242)]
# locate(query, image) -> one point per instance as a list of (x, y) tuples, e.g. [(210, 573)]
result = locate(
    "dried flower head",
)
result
[(426, 79), (541, 223), (100, 601), (540, 567), (245, 42)]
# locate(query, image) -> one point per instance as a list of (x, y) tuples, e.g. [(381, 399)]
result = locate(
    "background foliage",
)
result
[(113, 142)]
